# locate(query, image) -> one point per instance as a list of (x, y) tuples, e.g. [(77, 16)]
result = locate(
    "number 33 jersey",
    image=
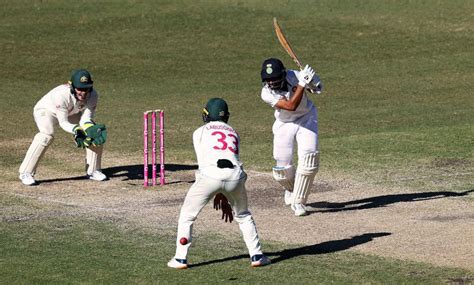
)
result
[(216, 140)]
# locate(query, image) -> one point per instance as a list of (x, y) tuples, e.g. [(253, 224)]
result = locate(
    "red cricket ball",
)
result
[(183, 241)]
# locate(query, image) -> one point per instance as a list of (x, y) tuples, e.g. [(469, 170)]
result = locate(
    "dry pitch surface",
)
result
[(432, 227)]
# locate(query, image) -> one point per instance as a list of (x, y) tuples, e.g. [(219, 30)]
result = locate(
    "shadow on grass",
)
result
[(135, 172), (382, 201), (127, 172), (320, 248)]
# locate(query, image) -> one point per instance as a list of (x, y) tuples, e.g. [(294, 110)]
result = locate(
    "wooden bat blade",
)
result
[(285, 44)]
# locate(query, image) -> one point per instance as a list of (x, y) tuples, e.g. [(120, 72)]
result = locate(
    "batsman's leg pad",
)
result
[(307, 169), (36, 151), (93, 158), (285, 175)]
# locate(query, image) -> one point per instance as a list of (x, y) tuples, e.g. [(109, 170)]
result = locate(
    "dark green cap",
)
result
[(81, 78), (216, 110)]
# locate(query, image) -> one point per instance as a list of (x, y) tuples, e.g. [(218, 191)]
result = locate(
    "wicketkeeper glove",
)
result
[(96, 133), (80, 137), (305, 76)]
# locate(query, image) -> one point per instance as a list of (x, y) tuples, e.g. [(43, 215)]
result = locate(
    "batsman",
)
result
[(296, 119), (72, 106)]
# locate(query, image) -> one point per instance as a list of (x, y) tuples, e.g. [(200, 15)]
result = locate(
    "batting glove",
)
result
[(315, 86), (305, 76)]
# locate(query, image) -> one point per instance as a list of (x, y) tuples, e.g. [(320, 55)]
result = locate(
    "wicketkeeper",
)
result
[(296, 118), (72, 106)]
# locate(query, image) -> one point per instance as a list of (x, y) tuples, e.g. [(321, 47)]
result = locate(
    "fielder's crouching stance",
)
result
[(296, 119), (72, 106), (220, 174)]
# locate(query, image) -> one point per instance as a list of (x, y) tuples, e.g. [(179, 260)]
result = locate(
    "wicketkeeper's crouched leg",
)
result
[(35, 152), (94, 158), (94, 162)]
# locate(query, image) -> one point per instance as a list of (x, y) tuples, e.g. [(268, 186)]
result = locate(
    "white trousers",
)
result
[(304, 131), (46, 121), (232, 185)]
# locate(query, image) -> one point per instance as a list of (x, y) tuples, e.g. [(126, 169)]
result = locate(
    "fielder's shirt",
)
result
[(216, 140)]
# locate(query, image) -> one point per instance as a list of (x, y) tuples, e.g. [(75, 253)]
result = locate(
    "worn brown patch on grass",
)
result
[(429, 226)]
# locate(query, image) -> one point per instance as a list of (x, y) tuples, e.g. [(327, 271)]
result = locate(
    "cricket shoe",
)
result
[(288, 197), (299, 209), (178, 263), (259, 260), (27, 179), (97, 176)]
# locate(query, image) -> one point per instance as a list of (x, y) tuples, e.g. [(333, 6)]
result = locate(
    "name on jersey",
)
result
[(220, 127)]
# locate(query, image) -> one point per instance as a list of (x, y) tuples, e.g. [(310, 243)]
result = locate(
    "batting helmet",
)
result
[(273, 73), (216, 109)]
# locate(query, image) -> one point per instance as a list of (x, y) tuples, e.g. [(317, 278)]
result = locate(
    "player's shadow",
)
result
[(127, 172), (316, 249), (384, 200), (82, 177), (135, 172)]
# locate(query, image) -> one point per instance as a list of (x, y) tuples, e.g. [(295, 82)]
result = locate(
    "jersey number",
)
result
[(234, 147)]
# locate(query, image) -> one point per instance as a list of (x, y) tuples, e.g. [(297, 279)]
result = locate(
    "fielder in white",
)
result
[(220, 172), (72, 106), (296, 119)]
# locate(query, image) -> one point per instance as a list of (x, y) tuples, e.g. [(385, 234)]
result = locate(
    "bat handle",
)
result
[(298, 63)]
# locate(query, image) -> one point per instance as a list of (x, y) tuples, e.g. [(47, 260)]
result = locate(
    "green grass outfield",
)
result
[(397, 110), (82, 250)]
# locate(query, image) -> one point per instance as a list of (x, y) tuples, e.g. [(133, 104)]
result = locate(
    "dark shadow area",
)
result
[(135, 172), (83, 177), (382, 201), (321, 248), (128, 172), (325, 247)]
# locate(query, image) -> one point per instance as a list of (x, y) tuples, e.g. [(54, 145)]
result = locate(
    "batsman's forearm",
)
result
[(297, 96), (294, 102)]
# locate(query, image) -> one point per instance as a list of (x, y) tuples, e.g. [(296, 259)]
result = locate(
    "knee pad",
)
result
[(35, 152), (308, 166), (285, 175)]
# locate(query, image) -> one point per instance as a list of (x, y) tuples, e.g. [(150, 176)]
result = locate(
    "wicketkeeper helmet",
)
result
[(81, 78), (216, 109)]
